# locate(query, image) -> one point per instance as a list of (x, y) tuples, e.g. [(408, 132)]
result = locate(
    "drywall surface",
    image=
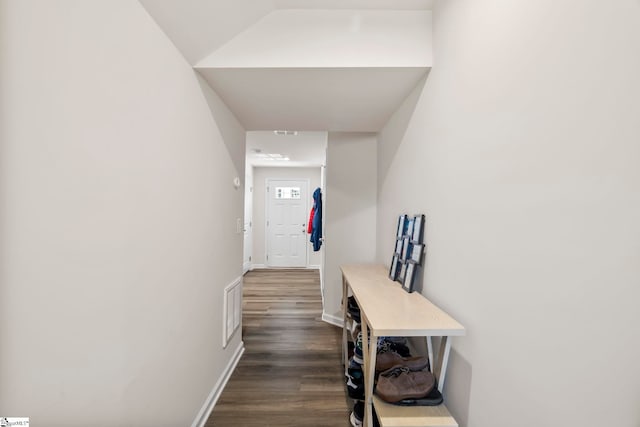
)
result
[(260, 175), (199, 27), (117, 216), (349, 209), (330, 38), (523, 152)]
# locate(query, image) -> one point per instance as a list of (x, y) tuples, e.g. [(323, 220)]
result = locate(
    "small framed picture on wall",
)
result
[(409, 229), (417, 250), (406, 249), (409, 250), (395, 267), (418, 229), (409, 277), (399, 243), (402, 272), (402, 223)]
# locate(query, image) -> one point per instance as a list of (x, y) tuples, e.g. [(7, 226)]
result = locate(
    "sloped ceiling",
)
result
[(346, 99), (199, 27), (275, 86)]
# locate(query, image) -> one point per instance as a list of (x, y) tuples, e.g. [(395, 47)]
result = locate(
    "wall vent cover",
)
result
[(232, 312)]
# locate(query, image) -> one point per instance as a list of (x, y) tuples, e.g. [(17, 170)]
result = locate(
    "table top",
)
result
[(390, 310)]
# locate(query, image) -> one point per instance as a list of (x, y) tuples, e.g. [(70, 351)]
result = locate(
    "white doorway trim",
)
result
[(248, 221)]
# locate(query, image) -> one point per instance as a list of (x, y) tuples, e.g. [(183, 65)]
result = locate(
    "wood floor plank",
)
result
[(290, 373)]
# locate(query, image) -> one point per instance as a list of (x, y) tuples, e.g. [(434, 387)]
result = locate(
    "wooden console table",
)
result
[(387, 310)]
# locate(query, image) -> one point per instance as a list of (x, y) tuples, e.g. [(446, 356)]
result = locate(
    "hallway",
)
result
[(512, 125), (290, 373)]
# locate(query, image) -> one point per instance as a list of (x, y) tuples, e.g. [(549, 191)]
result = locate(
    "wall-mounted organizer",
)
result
[(386, 311), (409, 250)]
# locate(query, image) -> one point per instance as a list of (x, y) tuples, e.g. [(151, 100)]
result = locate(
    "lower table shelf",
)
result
[(412, 416)]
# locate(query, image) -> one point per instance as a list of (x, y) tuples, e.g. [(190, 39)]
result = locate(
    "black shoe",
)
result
[(355, 390), (387, 344), (355, 380), (353, 309), (357, 416), (434, 398)]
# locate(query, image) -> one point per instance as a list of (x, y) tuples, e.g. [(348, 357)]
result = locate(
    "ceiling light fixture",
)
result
[(286, 132), (272, 156)]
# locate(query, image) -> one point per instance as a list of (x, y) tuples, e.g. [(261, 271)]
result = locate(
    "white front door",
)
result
[(287, 217)]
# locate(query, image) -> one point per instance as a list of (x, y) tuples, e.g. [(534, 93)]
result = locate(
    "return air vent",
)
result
[(232, 310)]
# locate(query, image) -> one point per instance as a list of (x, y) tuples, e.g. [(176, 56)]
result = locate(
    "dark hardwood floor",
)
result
[(291, 372)]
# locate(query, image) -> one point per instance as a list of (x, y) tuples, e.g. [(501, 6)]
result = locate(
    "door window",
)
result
[(288, 193)]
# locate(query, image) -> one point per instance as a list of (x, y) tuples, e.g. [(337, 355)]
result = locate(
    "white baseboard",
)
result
[(333, 320), (309, 267), (210, 403)]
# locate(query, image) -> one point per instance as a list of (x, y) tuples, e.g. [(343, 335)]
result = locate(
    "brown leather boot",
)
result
[(399, 383), (389, 359)]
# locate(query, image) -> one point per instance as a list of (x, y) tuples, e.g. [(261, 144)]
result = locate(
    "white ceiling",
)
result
[(321, 93), (304, 149), (348, 99), (329, 39), (199, 27)]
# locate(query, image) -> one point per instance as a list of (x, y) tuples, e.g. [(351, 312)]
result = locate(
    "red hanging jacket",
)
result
[(310, 224)]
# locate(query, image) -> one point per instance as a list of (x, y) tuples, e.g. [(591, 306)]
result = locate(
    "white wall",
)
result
[(115, 245), (260, 175), (523, 153), (330, 38), (349, 211)]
